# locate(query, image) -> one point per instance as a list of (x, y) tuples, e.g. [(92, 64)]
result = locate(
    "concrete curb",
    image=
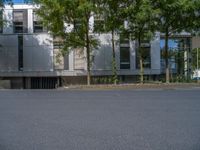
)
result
[(133, 86)]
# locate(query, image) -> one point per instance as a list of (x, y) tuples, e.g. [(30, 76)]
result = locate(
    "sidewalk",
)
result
[(133, 86)]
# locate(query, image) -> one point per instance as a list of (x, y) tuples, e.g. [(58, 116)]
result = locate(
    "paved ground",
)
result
[(100, 120)]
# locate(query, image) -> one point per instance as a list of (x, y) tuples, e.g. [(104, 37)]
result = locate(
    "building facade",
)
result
[(30, 57)]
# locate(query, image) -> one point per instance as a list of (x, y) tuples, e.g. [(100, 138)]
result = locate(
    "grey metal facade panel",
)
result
[(8, 53), (102, 58), (155, 53), (38, 54), (103, 55)]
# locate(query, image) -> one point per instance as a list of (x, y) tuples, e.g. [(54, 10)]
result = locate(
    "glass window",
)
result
[(37, 24), (1, 21), (124, 58), (146, 55), (20, 21), (124, 52), (20, 53), (61, 58), (57, 44), (178, 46)]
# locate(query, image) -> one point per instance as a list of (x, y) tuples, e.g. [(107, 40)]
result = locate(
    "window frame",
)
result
[(145, 45), (37, 23), (125, 44), (23, 24)]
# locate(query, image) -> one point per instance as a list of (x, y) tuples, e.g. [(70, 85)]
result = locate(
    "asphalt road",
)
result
[(100, 120)]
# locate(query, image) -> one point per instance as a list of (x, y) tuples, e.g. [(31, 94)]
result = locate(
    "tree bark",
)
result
[(88, 55), (114, 59), (167, 56), (88, 66), (141, 62), (141, 71)]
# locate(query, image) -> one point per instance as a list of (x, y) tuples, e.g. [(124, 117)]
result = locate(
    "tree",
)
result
[(141, 26), (113, 16), (2, 4), (59, 15), (174, 17)]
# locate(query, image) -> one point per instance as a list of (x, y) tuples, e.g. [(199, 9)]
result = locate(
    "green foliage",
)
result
[(70, 20), (112, 12), (102, 80), (58, 16), (141, 18), (2, 4), (175, 16), (144, 17)]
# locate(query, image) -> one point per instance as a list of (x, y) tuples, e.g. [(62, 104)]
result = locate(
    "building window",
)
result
[(146, 55), (124, 58), (124, 52), (1, 21), (61, 58), (179, 49), (20, 52), (66, 62), (37, 24), (20, 21)]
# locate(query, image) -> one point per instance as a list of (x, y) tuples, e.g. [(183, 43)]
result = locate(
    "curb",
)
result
[(132, 86)]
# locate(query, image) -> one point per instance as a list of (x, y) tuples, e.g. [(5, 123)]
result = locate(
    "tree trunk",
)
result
[(88, 68), (88, 58), (167, 56), (141, 62), (141, 71), (114, 68)]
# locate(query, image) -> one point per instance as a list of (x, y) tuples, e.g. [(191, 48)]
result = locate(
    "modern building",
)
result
[(30, 55)]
